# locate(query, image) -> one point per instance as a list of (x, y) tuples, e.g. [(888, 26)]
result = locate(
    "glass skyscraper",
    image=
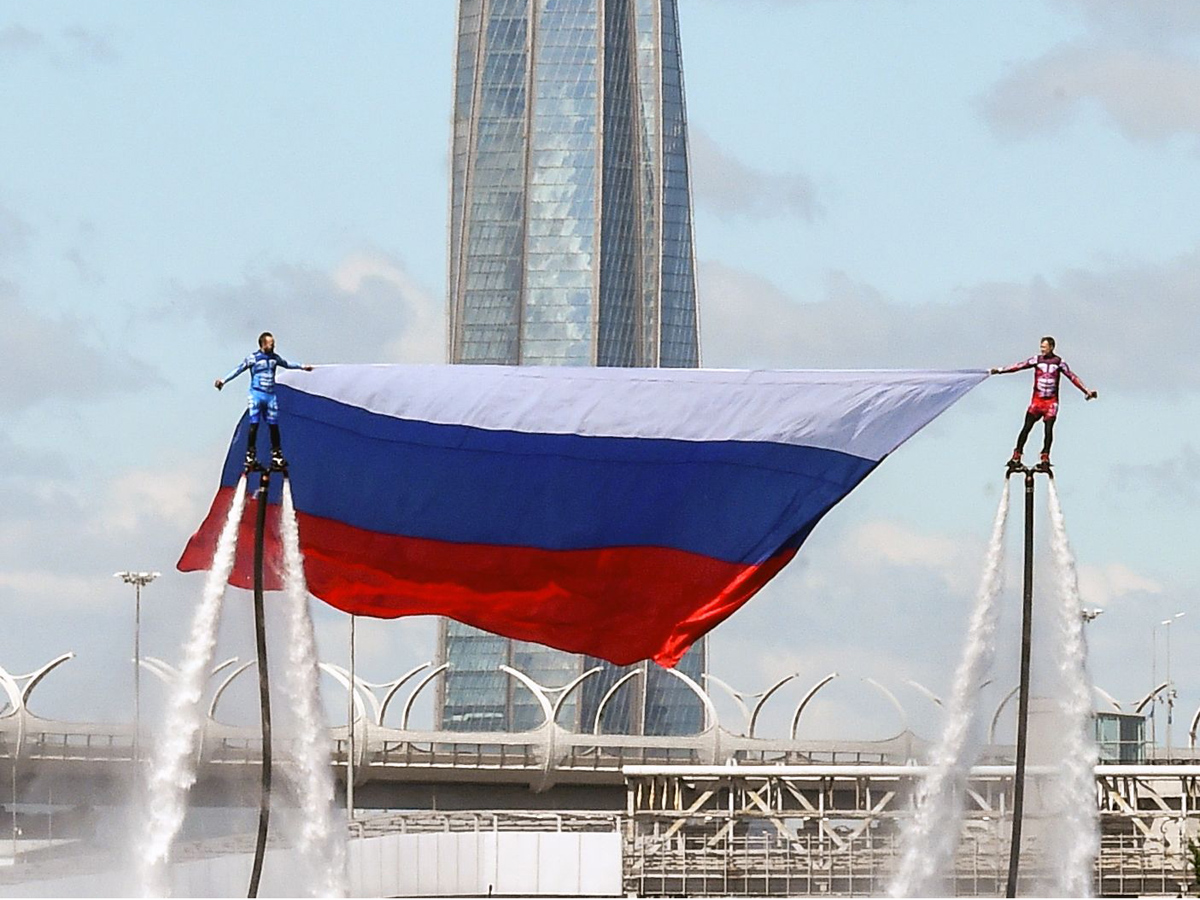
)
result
[(570, 244)]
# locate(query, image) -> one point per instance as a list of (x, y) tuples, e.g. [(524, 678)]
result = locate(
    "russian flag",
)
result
[(621, 513)]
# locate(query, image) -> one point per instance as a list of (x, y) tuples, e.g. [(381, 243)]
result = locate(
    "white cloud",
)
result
[(894, 544), (1173, 480), (848, 707), (1147, 95), (59, 356), (748, 321), (1136, 62), (138, 500), (48, 588), (731, 188), (79, 255), (89, 45), (1158, 20), (77, 43), (14, 234), (423, 337), (368, 309), (1102, 585), (81, 371), (15, 39)]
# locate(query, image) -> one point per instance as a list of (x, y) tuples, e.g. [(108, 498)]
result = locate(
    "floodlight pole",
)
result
[(264, 692), (1171, 694), (1014, 850), (139, 580)]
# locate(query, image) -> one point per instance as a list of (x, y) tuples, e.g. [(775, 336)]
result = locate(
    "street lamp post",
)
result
[(139, 580), (1170, 684), (1153, 687)]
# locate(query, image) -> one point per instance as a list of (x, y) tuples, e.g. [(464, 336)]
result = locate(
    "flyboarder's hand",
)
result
[(218, 384), (307, 368), (993, 371), (1092, 395)]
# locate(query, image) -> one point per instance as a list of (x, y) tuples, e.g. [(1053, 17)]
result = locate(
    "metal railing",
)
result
[(700, 863)]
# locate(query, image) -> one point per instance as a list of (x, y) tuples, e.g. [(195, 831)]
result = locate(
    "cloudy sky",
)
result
[(878, 183)]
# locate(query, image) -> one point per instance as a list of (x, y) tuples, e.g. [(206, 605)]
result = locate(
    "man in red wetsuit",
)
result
[(1048, 368)]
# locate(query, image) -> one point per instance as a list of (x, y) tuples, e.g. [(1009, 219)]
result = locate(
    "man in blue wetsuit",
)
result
[(263, 402)]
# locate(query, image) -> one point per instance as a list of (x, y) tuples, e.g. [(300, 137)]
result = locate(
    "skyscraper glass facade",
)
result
[(570, 244)]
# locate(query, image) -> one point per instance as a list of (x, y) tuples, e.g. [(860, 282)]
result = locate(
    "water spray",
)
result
[(173, 767), (320, 842), (931, 836), (173, 770), (1076, 842)]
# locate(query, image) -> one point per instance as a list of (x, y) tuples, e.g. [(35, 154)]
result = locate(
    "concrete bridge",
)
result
[(396, 766)]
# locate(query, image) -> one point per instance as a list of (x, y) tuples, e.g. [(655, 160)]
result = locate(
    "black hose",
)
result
[(264, 692), (1018, 808)]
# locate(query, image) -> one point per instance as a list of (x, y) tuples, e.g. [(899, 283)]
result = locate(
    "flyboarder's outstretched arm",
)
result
[(238, 370), (1015, 367), (290, 365)]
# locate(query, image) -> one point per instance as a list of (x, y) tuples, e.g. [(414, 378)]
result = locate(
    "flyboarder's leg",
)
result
[(1030, 418), (1047, 440), (259, 406), (272, 410), (277, 459), (252, 440)]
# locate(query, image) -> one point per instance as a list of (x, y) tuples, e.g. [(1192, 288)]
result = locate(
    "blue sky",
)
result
[(878, 183)]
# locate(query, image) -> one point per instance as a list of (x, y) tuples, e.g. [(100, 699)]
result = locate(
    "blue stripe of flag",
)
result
[(734, 501)]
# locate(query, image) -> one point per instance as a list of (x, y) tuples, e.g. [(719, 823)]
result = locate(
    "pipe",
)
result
[(1014, 850), (264, 692)]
